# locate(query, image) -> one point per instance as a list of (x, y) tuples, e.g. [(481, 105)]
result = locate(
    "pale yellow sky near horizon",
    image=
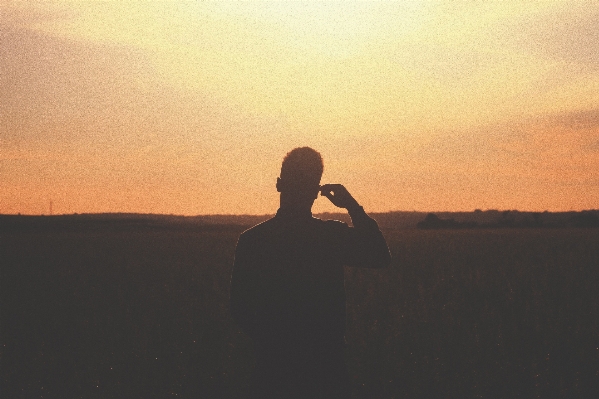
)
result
[(189, 107)]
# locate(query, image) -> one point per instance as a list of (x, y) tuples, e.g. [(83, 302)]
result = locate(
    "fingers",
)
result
[(328, 188), (338, 195), (329, 195)]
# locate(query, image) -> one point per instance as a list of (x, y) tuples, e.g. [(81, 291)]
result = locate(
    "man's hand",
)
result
[(339, 196)]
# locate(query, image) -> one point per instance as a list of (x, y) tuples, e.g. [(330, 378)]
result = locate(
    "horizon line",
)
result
[(272, 214)]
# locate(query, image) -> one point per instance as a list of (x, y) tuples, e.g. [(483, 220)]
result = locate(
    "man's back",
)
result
[(289, 276), (288, 295)]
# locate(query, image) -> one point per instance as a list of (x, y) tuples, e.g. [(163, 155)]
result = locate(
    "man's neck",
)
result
[(294, 212)]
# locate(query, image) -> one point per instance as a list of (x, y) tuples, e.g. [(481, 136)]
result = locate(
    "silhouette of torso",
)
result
[(288, 295)]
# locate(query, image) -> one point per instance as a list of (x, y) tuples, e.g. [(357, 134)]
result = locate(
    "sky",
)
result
[(189, 107)]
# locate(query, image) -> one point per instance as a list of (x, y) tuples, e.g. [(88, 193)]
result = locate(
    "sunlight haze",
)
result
[(189, 107)]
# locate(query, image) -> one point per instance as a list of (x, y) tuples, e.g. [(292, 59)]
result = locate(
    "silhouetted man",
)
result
[(287, 286)]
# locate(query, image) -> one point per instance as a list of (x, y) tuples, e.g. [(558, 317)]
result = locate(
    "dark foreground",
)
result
[(140, 311)]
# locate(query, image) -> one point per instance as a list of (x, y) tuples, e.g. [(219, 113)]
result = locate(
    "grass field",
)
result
[(132, 311)]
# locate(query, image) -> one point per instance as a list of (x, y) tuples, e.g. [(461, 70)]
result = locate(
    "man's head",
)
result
[(300, 174)]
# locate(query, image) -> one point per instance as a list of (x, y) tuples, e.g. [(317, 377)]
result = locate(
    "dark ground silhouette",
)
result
[(95, 306)]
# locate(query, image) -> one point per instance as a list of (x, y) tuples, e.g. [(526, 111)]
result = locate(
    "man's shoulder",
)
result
[(332, 227), (331, 223), (272, 225), (258, 230)]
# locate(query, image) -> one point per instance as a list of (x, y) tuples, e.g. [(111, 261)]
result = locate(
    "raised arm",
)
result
[(366, 246)]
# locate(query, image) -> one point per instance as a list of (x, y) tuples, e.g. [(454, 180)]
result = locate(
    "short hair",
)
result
[(302, 166)]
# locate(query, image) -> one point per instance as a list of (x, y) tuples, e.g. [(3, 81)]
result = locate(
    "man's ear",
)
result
[(278, 184)]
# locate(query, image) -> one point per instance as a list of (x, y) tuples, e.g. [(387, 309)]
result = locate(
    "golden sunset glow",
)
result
[(189, 107)]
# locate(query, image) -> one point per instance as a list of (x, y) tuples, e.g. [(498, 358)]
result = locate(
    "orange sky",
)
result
[(188, 108)]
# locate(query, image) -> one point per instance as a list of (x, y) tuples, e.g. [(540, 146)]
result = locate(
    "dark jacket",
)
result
[(287, 285)]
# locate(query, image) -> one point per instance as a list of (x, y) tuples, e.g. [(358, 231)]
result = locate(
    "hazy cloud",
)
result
[(28, 14), (578, 119), (571, 33)]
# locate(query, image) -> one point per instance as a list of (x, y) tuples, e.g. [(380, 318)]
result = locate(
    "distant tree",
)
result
[(507, 219), (430, 221), (585, 219)]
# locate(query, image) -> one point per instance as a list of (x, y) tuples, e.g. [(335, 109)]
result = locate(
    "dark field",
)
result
[(141, 311)]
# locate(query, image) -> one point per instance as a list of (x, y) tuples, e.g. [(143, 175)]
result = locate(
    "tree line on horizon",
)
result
[(515, 219), (386, 220)]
